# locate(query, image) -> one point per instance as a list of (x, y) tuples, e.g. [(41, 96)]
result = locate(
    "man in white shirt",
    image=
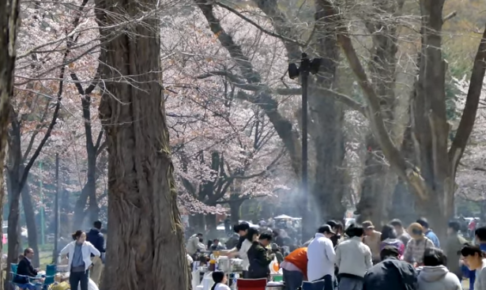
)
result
[(320, 257), (353, 258)]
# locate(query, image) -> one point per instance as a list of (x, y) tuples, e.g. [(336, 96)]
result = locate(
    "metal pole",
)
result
[(304, 72), (56, 211)]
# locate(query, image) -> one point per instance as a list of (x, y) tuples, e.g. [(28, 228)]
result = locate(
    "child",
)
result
[(219, 279)]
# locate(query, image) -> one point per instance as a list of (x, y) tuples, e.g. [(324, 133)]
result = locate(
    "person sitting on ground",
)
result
[(353, 259), (389, 238), (25, 270), (434, 274), (402, 234), (219, 279), (414, 252), (372, 239), (428, 232), (258, 255), (390, 273), (474, 258)]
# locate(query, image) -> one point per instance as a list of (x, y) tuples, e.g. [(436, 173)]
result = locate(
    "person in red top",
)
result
[(294, 268)]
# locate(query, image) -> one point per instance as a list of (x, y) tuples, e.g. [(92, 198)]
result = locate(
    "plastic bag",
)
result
[(274, 266)]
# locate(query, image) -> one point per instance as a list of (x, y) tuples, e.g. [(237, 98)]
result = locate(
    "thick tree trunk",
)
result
[(30, 221), (235, 211), (13, 222), (329, 186), (197, 223), (88, 191), (145, 229), (9, 24), (377, 187)]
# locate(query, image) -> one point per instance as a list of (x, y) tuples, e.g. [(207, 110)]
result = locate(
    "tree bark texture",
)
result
[(9, 24), (431, 179), (146, 247), (30, 222), (329, 180), (378, 180)]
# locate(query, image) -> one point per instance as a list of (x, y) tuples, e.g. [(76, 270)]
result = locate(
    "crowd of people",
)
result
[(361, 257), (85, 260)]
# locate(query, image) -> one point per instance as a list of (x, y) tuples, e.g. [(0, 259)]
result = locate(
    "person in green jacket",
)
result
[(455, 243)]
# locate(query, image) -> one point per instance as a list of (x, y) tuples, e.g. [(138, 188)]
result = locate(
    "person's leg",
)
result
[(95, 272), (328, 284), (296, 279), (74, 280), (83, 280), (292, 279), (348, 283)]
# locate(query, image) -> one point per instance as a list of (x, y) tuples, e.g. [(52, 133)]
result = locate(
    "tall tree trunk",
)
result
[(145, 232), (9, 24), (378, 180), (327, 135), (30, 221), (235, 206), (65, 217), (377, 187)]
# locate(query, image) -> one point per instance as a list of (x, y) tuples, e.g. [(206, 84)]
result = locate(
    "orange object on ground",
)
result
[(299, 259)]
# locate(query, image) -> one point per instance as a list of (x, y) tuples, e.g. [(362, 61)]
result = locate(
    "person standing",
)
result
[(259, 256), (294, 268), (474, 259), (428, 232), (454, 244), (79, 252), (435, 275), (353, 259), (389, 238), (414, 252), (402, 234), (480, 235), (373, 240), (390, 273), (321, 256), (96, 238)]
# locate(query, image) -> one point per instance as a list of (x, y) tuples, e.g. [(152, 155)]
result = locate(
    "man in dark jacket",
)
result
[(260, 258), (25, 269), (96, 238), (391, 273)]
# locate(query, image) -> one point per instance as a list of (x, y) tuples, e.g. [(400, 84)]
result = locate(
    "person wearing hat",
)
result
[(321, 256), (414, 252), (353, 259), (391, 273), (373, 240)]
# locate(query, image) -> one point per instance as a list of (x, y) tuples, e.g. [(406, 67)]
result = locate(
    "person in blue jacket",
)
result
[(480, 234), (428, 232), (96, 238)]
